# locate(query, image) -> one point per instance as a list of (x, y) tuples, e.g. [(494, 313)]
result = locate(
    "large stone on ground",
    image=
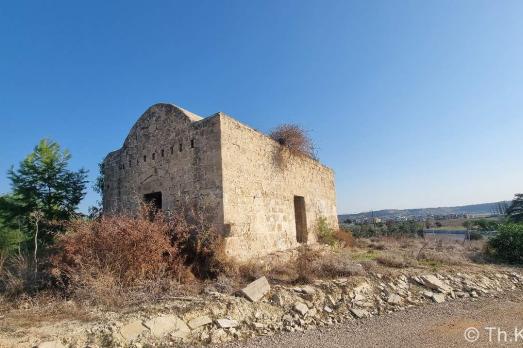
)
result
[(162, 325), (434, 283), (200, 321), (226, 323), (438, 298), (132, 330), (301, 308), (359, 313), (257, 289), (309, 290), (394, 299), (51, 344)]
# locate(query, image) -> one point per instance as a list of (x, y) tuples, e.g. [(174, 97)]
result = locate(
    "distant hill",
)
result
[(473, 209)]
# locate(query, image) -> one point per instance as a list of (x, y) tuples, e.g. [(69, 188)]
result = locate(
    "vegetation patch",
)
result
[(507, 244)]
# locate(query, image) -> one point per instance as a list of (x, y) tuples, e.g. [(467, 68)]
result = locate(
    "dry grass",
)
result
[(309, 264), (336, 265), (396, 260), (442, 257), (19, 278)]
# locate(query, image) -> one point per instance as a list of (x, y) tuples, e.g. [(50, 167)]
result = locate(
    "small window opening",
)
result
[(145, 158), (180, 147), (172, 150), (162, 153), (192, 143), (154, 156)]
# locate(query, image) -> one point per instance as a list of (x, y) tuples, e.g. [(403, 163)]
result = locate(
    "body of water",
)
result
[(447, 234)]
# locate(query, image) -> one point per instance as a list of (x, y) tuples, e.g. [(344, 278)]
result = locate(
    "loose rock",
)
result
[(359, 313), (301, 308), (51, 344), (160, 326), (257, 289), (438, 298), (132, 330), (226, 323), (200, 321), (434, 283)]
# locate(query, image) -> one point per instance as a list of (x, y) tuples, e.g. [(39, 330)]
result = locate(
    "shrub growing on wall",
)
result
[(294, 138)]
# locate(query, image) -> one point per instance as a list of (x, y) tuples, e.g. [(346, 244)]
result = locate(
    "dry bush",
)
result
[(377, 245), (224, 284), (396, 261), (19, 277), (251, 270), (312, 264), (362, 243), (306, 257), (336, 265), (199, 241), (344, 238), (294, 138), (127, 249), (117, 259)]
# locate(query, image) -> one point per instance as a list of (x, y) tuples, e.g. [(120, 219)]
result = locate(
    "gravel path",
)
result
[(440, 325)]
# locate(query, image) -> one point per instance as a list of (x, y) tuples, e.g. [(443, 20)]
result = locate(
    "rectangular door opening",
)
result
[(153, 199), (301, 219)]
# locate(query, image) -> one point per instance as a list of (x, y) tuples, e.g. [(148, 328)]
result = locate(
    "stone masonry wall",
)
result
[(243, 178), (169, 150), (259, 184)]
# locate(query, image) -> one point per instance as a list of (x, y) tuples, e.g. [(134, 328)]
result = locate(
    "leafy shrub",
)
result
[(507, 244), (475, 235), (325, 233)]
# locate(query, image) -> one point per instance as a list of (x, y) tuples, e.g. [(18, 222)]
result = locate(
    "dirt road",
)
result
[(441, 325)]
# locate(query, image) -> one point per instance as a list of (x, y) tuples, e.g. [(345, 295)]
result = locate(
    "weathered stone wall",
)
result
[(168, 150), (260, 180), (245, 180)]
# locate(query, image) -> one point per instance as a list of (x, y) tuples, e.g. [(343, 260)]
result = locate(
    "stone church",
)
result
[(261, 201)]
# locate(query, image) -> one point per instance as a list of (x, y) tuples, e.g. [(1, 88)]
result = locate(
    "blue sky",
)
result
[(412, 103)]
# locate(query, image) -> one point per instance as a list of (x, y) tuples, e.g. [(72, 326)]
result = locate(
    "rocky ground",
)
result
[(498, 321), (262, 309)]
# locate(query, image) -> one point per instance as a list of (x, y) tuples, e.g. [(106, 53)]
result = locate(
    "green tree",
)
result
[(515, 210), (96, 211), (10, 240), (43, 184)]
